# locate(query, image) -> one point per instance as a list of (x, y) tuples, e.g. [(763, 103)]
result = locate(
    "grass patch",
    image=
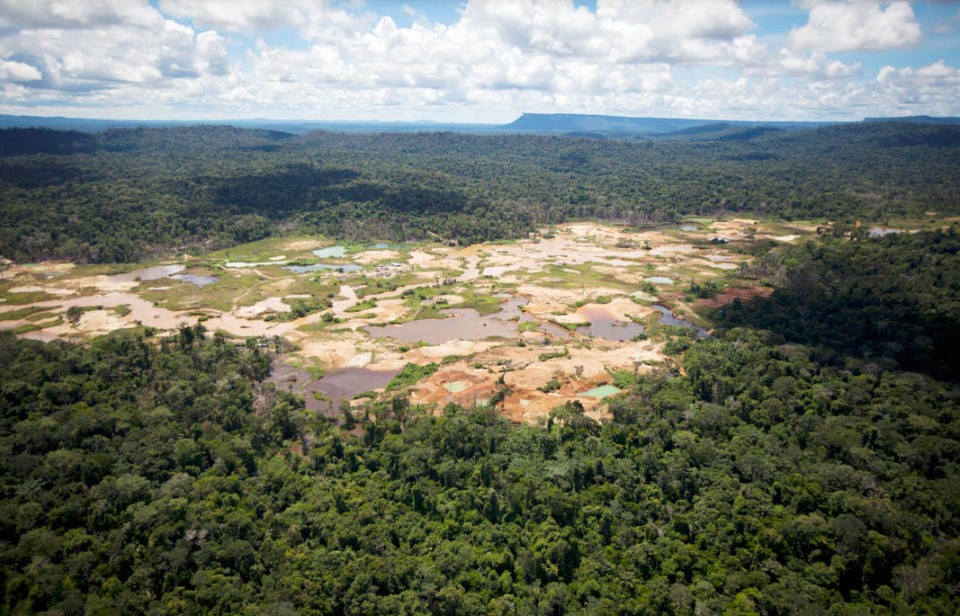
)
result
[(554, 355), (40, 316), (483, 304), (262, 250), (579, 277), (26, 327), (367, 304), (410, 375), (529, 326), (23, 313), (313, 366), (375, 286), (32, 297)]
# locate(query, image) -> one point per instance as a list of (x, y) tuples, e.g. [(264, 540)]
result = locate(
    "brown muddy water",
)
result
[(605, 325), (465, 324), (333, 387)]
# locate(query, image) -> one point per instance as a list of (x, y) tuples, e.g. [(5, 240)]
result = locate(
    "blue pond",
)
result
[(196, 279)]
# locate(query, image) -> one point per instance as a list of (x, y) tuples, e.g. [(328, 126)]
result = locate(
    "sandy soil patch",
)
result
[(298, 245), (623, 309), (271, 304), (544, 301), (386, 311), (374, 256), (620, 274), (100, 322), (435, 353), (38, 289), (349, 300), (49, 270), (102, 284), (479, 385), (427, 260), (347, 349), (784, 238), (670, 250)]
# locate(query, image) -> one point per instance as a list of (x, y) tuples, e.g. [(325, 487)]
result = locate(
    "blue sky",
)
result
[(479, 60)]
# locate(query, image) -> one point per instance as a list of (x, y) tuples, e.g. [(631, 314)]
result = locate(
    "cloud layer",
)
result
[(325, 60)]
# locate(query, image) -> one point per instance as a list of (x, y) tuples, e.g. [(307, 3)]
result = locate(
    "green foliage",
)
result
[(362, 305), (551, 385), (140, 479), (124, 195), (410, 375), (892, 299), (676, 346), (565, 352)]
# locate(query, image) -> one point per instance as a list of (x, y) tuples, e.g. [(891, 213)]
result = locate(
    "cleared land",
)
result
[(509, 318)]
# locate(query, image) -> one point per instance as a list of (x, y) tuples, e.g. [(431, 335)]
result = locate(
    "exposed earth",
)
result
[(550, 317)]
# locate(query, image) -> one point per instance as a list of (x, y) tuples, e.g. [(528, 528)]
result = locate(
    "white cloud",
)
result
[(814, 64), (497, 58), (18, 71), (857, 26), (933, 89), (76, 13), (238, 15)]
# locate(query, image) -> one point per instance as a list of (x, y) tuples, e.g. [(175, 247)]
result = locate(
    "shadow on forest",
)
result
[(281, 193), (26, 141), (42, 173), (890, 301)]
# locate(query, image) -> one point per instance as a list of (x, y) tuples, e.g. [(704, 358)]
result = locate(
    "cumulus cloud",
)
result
[(857, 26), (496, 58), (76, 13), (932, 89), (18, 71), (237, 15)]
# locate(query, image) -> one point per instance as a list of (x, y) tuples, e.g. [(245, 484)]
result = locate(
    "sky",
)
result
[(478, 61)]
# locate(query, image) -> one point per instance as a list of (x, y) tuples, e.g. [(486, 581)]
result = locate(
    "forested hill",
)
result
[(128, 194)]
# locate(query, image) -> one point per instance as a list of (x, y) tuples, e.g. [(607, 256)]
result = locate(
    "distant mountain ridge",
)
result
[(920, 119), (594, 126), (572, 122)]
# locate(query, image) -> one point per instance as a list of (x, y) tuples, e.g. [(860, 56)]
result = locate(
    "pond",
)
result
[(603, 324), (660, 280), (600, 392), (336, 386), (455, 387), (465, 324), (195, 279), (668, 318), (331, 252)]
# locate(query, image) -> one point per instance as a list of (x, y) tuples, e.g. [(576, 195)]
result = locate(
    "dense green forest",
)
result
[(753, 475), (128, 194), (894, 300)]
